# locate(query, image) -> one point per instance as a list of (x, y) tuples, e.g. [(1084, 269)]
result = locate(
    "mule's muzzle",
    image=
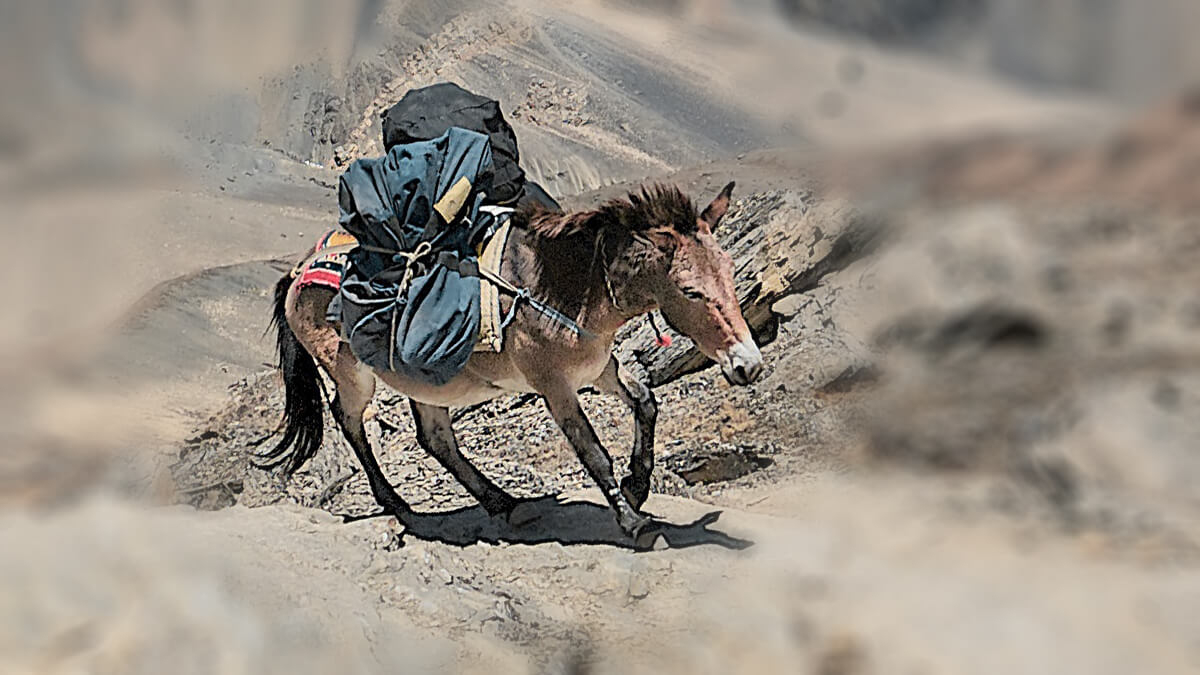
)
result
[(742, 363)]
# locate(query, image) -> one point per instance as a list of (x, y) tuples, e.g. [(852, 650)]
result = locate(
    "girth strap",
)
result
[(522, 295)]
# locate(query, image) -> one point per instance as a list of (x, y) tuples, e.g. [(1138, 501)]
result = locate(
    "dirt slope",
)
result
[(971, 453), (846, 590)]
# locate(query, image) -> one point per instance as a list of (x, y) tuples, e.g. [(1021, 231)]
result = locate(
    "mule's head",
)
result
[(694, 289)]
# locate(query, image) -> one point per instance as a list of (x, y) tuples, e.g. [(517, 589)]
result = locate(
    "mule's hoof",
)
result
[(649, 537), (632, 523)]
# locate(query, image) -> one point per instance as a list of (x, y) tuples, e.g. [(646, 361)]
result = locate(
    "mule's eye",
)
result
[(692, 294)]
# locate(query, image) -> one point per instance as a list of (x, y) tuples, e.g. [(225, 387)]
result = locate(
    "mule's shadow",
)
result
[(550, 519)]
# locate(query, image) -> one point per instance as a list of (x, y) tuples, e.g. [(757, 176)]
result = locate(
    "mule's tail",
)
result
[(304, 394)]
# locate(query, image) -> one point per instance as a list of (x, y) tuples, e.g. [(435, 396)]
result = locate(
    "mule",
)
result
[(601, 268)]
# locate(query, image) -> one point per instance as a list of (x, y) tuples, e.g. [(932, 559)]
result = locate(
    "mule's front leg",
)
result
[(564, 406), (640, 399)]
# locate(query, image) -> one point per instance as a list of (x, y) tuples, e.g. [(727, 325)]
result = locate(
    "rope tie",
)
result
[(521, 295), (601, 240), (408, 258), (417, 253)]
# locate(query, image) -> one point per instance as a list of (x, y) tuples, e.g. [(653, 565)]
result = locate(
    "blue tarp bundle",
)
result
[(417, 317)]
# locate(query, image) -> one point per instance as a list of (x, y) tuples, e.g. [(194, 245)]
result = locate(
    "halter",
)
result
[(612, 295), (660, 338)]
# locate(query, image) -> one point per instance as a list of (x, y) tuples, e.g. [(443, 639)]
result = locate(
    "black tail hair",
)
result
[(304, 394)]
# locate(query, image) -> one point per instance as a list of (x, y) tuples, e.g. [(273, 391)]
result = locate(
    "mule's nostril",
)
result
[(742, 364)]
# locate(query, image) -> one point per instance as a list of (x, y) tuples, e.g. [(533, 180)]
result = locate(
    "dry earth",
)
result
[(973, 451)]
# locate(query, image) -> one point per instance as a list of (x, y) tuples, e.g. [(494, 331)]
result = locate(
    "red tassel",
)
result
[(661, 339)]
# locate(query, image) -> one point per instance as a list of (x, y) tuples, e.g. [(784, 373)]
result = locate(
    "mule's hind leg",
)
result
[(436, 435), (640, 399), (355, 386), (353, 382)]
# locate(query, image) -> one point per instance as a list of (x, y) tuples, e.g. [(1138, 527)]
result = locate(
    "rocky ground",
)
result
[(972, 451), (997, 383)]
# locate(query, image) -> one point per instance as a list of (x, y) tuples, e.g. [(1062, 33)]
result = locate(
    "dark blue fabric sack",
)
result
[(410, 293)]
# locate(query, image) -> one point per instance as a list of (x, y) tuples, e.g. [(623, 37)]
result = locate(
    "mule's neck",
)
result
[(573, 275)]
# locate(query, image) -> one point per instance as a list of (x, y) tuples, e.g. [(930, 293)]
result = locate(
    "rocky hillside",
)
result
[(1134, 51), (973, 450)]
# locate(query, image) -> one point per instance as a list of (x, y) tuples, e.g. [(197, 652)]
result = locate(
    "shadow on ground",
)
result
[(549, 519)]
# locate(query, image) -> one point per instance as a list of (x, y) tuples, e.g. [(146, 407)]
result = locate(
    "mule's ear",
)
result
[(714, 212)]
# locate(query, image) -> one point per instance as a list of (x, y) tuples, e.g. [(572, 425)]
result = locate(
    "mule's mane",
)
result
[(651, 207)]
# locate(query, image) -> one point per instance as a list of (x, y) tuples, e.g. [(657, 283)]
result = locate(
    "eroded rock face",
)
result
[(1047, 349)]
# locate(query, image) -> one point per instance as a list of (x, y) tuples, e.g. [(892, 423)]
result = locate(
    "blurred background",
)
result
[(966, 231)]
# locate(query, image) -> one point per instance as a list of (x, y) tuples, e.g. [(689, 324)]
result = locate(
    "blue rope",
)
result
[(523, 295)]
